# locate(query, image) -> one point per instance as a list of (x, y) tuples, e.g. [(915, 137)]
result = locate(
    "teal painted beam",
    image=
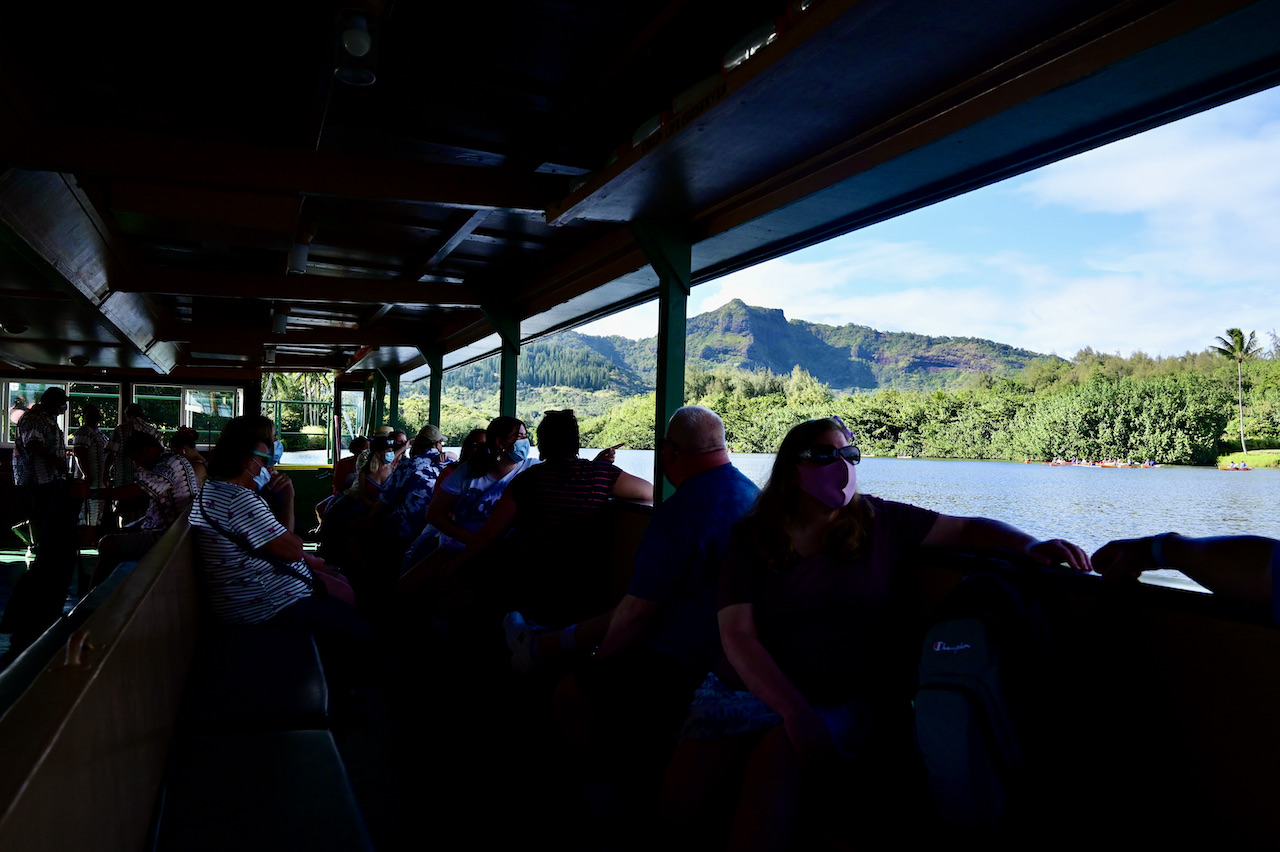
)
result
[(434, 356), (375, 386), (670, 254), (508, 328), (435, 360), (393, 405)]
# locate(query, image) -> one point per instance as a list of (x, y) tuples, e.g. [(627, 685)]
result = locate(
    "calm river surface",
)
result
[(1089, 506)]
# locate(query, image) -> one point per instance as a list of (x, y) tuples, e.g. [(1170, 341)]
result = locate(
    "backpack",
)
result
[(979, 670)]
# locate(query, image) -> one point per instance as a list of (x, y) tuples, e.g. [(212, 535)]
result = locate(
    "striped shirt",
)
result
[(557, 496), (170, 484), (242, 587)]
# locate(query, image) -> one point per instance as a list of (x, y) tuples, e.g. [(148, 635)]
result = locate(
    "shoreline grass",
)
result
[(1254, 458)]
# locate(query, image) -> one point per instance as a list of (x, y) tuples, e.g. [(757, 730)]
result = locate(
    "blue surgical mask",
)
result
[(277, 453), (389, 456), (261, 478), (520, 451)]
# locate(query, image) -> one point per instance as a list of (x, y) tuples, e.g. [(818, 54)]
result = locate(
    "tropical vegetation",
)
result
[(1236, 348), (933, 397)]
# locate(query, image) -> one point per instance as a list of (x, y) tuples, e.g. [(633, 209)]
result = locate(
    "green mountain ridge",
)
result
[(848, 358)]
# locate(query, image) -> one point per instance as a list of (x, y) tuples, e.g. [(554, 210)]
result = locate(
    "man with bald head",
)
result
[(670, 605), (624, 709)]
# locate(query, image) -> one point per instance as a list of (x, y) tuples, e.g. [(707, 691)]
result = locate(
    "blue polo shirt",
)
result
[(678, 564)]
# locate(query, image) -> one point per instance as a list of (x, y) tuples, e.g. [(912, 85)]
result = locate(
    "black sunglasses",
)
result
[(826, 454)]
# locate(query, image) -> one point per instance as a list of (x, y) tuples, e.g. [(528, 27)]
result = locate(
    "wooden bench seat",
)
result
[(87, 746)]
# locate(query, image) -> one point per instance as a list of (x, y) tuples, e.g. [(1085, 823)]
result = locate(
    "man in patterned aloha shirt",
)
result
[(167, 480), (398, 519), (120, 468), (41, 464)]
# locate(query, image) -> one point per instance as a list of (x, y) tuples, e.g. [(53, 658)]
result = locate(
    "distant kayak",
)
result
[(1234, 468)]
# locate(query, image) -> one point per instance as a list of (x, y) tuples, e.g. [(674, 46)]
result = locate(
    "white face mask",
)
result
[(261, 478)]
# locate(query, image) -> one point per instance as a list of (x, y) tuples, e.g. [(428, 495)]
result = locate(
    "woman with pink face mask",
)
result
[(816, 670)]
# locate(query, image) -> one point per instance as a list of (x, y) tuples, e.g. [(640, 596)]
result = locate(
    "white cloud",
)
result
[(1204, 256), (1207, 189), (636, 323)]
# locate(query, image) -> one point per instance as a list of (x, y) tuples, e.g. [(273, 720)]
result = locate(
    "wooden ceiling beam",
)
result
[(461, 232), (199, 162), (293, 288), (249, 339)]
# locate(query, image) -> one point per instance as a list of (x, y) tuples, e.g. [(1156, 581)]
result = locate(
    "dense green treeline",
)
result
[(1179, 410), (1096, 406), (540, 364)]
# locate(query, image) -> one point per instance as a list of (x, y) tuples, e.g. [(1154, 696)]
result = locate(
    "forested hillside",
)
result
[(738, 336), (903, 393)]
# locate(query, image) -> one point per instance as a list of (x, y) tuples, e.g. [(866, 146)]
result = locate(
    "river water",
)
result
[(1087, 505)]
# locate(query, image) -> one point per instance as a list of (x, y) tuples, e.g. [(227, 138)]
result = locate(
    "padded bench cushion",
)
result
[(246, 677), (274, 791)]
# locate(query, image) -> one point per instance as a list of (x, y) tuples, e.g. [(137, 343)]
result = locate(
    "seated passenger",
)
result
[(167, 479), (351, 514), (183, 442), (804, 620), (551, 568), (252, 566), (1241, 568), (399, 516), (403, 510), (344, 472), (622, 709), (465, 452), (462, 503)]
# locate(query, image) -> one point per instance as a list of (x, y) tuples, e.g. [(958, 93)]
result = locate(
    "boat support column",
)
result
[(393, 403), (434, 357), (374, 387), (670, 254), (508, 328)]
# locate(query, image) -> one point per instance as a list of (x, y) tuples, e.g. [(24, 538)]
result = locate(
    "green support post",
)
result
[(435, 360), (393, 414), (671, 256), (374, 388), (508, 328)]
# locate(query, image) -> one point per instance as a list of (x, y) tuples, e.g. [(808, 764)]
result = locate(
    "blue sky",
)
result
[(1156, 243)]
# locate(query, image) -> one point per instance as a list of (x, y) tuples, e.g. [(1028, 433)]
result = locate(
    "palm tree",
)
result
[(1236, 348)]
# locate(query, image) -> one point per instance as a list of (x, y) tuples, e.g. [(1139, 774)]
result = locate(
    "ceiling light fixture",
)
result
[(355, 38), (357, 47)]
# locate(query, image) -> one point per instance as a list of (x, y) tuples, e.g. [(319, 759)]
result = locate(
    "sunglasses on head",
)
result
[(826, 454)]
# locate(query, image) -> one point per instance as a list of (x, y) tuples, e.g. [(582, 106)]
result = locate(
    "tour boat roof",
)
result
[(164, 167)]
